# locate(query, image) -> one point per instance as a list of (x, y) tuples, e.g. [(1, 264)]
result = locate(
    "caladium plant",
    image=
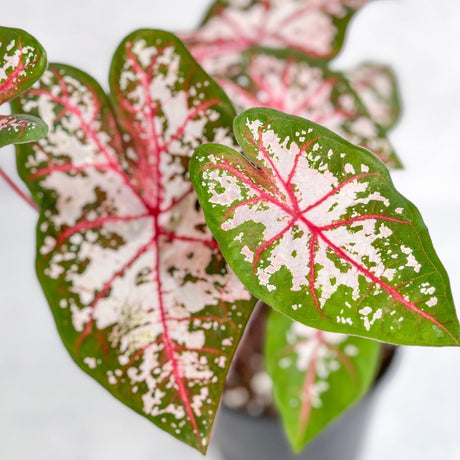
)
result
[(22, 61), (313, 226), (141, 295)]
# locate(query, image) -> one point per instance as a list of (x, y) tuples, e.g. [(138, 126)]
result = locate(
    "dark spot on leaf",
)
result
[(217, 264), (201, 227), (190, 278)]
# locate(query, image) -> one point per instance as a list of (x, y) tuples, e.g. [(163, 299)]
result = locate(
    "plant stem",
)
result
[(18, 191)]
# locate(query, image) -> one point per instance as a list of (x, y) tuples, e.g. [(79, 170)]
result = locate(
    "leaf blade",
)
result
[(316, 29), (314, 220), (142, 298)]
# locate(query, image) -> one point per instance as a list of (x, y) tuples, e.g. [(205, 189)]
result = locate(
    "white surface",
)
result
[(50, 410)]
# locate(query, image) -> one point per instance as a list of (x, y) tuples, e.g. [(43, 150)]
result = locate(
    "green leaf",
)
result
[(316, 375), (377, 88), (22, 61), (294, 84), (141, 295), (314, 227), (17, 129), (315, 28)]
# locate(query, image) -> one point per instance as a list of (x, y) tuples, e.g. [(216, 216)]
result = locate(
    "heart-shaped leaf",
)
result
[(313, 226), (316, 374), (314, 27), (294, 84), (141, 295), (22, 61), (377, 88)]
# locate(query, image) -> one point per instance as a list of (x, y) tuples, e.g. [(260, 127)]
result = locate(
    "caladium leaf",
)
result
[(294, 84), (22, 61), (313, 226), (376, 86), (314, 27), (141, 295), (316, 374), (17, 129)]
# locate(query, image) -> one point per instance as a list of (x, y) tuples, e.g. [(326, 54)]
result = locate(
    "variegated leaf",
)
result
[(141, 295), (316, 375), (377, 88), (17, 129), (294, 84), (22, 61), (314, 27), (313, 226)]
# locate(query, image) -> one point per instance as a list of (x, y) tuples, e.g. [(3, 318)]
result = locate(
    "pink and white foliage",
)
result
[(376, 86), (141, 295), (313, 226), (313, 27), (298, 86)]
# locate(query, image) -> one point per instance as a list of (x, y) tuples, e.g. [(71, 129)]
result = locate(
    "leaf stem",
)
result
[(18, 191)]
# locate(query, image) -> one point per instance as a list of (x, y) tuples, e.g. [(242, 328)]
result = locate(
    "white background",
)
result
[(50, 410)]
